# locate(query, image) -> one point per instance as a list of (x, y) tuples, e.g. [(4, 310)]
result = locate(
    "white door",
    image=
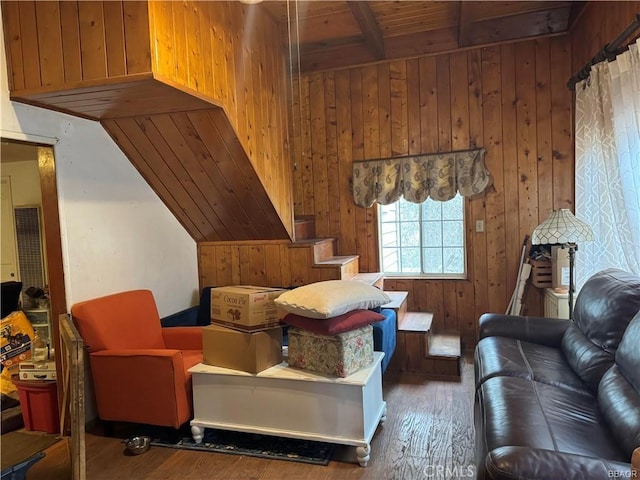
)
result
[(9, 267)]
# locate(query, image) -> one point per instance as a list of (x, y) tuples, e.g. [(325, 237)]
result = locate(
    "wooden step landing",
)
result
[(399, 304), (349, 265), (323, 248), (376, 279), (337, 260), (443, 350), (418, 322), (444, 345), (420, 351)]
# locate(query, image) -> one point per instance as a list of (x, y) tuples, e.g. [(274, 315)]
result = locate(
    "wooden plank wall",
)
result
[(55, 43), (599, 24), (232, 53), (273, 263), (511, 99)]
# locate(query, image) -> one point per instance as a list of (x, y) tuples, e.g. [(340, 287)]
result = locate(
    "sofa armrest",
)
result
[(183, 338), (540, 330), (524, 462)]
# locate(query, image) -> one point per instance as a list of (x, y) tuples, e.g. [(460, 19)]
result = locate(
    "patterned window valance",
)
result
[(437, 175)]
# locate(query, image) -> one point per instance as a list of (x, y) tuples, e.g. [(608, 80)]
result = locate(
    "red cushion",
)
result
[(334, 325)]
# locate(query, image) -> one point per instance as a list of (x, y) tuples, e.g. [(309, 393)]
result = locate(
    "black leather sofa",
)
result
[(556, 399)]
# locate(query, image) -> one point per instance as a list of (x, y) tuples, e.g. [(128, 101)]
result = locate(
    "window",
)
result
[(424, 239)]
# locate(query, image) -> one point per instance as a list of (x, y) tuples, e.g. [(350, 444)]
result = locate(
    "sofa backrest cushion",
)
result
[(619, 390), (605, 305)]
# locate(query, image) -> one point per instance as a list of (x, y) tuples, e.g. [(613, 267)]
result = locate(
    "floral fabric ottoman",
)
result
[(337, 355)]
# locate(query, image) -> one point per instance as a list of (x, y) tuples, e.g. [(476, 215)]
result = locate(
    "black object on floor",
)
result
[(250, 444), (19, 471)]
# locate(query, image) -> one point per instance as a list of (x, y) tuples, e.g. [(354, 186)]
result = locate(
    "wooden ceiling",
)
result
[(335, 34)]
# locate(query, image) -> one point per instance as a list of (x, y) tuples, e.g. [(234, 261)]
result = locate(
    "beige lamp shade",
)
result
[(561, 227)]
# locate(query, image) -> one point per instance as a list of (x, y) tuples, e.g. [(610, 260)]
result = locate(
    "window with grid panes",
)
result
[(424, 239)]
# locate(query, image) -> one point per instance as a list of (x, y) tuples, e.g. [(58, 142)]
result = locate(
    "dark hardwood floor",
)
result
[(428, 435)]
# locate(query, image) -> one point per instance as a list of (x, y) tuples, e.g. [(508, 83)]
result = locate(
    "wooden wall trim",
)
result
[(53, 246), (80, 86)]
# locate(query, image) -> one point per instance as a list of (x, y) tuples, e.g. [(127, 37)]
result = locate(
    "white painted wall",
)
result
[(116, 233)]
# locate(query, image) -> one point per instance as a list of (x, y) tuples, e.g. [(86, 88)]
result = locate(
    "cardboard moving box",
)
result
[(248, 352), (245, 307), (38, 370)]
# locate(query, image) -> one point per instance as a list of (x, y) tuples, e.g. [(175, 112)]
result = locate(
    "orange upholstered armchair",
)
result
[(139, 368)]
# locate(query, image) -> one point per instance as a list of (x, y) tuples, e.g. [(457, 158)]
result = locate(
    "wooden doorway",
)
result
[(44, 154)]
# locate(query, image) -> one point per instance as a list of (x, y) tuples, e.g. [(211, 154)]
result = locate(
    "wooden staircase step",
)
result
[(348, 266), (420, 351), (337, 260), (304, 227), (398, 303), (444, 345), (306, 242), (375, 278), (323, 248), (419, 322)]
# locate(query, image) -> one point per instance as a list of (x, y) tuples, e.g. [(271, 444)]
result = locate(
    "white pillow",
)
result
[(331, 298)]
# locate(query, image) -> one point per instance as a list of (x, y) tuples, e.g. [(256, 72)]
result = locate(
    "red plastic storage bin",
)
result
[(39, 403)]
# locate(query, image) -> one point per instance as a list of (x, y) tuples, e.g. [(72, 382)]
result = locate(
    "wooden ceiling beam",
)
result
[(576, 11), (519, 26), (370, 30), (405, 46), (464, 24)]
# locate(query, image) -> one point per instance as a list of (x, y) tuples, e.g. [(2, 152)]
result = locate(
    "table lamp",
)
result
[(563, 228)]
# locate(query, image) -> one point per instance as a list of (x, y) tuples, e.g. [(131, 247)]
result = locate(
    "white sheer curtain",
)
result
[(608, 165)]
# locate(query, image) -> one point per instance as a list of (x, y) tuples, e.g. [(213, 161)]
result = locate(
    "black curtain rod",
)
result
[(608, 52)]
